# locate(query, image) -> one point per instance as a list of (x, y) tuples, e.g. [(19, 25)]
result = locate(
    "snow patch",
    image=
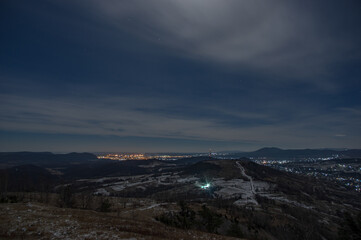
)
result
[(101, 191)]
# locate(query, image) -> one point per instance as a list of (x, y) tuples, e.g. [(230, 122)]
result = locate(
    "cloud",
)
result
[(219, 86), (277, 37), (95, 116), (103, 116)]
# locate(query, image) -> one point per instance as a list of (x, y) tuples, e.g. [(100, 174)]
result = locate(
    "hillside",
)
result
[(39, 221), (27, 178), (44, 159), (238, 197)]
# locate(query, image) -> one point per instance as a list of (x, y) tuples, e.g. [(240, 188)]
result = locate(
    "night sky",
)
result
[(179, 75)]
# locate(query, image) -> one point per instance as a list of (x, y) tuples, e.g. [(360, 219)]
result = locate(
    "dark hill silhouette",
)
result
[(26, 178), (44, 159), (272, 152), (202, 168), (191, 160), (108, 168)]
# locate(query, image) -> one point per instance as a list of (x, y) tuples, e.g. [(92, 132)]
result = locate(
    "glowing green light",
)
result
[(205, 186)]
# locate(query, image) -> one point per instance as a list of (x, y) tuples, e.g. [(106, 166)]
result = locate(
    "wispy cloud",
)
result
[(94, 116), (279, 37)]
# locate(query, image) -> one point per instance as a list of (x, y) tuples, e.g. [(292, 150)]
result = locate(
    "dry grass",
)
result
[(39, 221)]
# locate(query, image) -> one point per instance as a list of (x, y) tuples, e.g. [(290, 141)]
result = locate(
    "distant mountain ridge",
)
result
[(44, 158), (273, 152)]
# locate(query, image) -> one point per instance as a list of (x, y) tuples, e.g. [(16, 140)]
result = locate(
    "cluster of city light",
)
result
[(270, 162), (330, 171), (139, 156), (123, 156)]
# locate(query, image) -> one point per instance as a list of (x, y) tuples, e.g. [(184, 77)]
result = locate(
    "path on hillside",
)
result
[(243, 172)]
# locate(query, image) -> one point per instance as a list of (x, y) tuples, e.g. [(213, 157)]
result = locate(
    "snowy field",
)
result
[(244, 189)]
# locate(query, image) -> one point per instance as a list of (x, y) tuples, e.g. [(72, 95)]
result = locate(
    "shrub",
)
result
[(211, 219), (234, 230), (105, 206)]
